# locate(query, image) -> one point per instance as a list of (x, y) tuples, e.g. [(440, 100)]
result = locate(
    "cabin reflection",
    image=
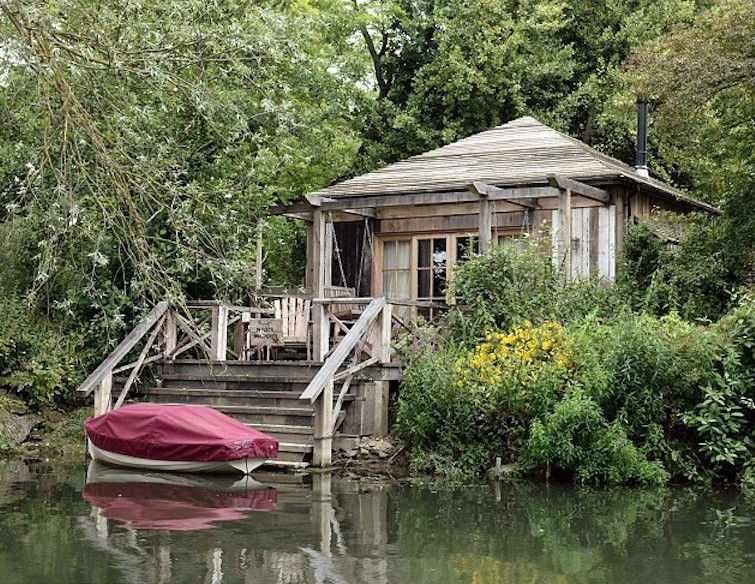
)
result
[(320, 529)]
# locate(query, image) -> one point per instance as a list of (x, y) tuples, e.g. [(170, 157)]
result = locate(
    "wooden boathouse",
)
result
[(317, 365)]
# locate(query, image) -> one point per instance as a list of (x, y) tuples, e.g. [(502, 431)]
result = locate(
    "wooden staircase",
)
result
[(264, 395), (303, 403)]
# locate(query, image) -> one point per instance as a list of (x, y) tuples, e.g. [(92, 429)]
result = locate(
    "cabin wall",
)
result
[(643, 204), (593, 245), (597, 232)]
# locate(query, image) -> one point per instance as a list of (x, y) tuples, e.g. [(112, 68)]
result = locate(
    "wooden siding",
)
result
[(593, 242)]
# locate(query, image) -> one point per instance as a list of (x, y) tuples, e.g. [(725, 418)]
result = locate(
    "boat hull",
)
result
[(242, 465)]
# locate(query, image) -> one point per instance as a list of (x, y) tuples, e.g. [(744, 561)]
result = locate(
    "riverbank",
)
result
[(41, 435), (51, 434)]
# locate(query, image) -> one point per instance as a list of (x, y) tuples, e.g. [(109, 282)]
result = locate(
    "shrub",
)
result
[(39, 363), (689, 277), (500, 289), (576, 437)]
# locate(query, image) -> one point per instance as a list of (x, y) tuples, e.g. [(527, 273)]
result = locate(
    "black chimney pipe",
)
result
[(642, 136)]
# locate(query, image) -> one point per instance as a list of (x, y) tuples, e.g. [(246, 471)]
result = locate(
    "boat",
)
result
[(177, 438), (173, 501)]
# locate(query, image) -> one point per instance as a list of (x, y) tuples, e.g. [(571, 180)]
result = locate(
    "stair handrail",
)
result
[(342, 350), (139, 331)]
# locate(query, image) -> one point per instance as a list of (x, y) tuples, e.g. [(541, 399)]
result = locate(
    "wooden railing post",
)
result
[(323, 438), (219, 338), (169, 333), (102, 395), (381, 335)]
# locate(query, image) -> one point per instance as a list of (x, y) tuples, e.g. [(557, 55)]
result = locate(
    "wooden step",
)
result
[(289, 453), (287, 433), (226, 397), (257, 369)]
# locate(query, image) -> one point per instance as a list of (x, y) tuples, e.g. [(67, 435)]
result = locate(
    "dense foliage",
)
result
[(600, 394)]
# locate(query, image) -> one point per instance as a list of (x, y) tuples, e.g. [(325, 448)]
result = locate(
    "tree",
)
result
[(448, 68), (143, 140), (702, 78)]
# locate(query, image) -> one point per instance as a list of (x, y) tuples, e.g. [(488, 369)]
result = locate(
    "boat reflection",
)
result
[(171, 501)]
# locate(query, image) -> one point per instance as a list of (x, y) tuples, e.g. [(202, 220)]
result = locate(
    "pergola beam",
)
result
[(578, 188), (359, 204), (496, 193)]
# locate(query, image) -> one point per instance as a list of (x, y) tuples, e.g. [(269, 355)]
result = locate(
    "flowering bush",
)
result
[(519, 372)]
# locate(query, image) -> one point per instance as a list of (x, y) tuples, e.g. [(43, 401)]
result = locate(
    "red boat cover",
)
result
[(183, 433)]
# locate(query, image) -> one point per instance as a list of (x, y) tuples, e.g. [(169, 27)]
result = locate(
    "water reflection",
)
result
[(324, 529), (172, 501)]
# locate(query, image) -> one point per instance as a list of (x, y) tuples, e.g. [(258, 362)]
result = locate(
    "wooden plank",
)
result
[(606, 246), (139, 363), (331, 366), (587, 243), (123, 348), (438, 198), (579, 188), (595, 241), (564, 233)]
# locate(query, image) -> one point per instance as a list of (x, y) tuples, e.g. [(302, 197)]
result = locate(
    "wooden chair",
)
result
[(342, 310), (294, 315)]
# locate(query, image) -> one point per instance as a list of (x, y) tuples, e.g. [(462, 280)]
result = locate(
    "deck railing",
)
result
[(367, 341)]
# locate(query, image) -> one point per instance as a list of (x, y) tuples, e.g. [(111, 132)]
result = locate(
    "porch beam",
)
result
[(496, 193), (430, 198), (578, 188)]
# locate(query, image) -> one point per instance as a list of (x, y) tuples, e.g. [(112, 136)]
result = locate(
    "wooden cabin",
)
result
[(396, 231)]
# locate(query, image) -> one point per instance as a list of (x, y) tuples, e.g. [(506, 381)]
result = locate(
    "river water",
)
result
[(55, 527)]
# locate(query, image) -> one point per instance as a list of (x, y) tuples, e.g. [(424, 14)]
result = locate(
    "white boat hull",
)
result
[(242, 465)]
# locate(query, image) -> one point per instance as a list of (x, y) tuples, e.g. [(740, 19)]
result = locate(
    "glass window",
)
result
[(467, 245), (397, 267)]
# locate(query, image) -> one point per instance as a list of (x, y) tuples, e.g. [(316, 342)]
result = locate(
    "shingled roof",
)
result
[(521, 152)]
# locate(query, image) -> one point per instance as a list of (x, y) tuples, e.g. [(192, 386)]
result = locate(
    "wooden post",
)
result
[(258, 259), (485, 224), (219, 337), (328, 253), (309, 278), (322, 509), (323, 439), (564, 234), (102, 395), (380, 335), (320, 328), (169, 333)]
